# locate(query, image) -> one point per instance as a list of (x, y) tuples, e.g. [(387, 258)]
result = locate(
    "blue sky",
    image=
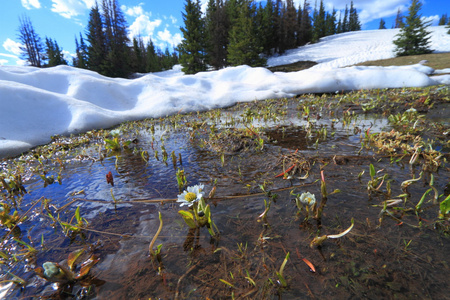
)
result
[(62, 20)]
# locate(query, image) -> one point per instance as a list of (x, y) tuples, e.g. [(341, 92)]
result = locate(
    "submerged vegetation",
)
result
[(345, 195)]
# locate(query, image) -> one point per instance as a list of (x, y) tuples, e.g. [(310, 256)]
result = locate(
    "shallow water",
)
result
[(397, 256)]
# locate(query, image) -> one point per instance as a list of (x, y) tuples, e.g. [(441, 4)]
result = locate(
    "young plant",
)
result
[(158, 248), (181, 179), (68, 275), (6, 219), (444, 209), (199, 214), (305, 201), (317, 241), (280, 276), (375, 182)]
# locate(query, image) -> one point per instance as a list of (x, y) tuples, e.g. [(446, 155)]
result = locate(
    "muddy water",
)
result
[(401, 255)]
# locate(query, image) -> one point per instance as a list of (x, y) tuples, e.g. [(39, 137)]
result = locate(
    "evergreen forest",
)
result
[(228, 33)]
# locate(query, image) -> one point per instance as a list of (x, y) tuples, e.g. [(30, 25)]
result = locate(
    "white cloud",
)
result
[(71, 8), (143, 26), (12, 46), (432, 20), (3, 62), (134, 11), (30, 4), (174, 20), (8, 55), (169, 38)]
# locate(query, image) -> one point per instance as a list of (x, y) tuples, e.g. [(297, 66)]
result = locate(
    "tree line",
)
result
[(105, 48), (236, 32), (229, 33)]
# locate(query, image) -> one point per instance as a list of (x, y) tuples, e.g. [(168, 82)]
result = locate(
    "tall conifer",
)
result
[(413, 38), (345, 25), (305, 30), (192, 48), (96, 49), (117, 62), (33, 48), (244, 47), (54, 55), (353, 20), (217, 25)]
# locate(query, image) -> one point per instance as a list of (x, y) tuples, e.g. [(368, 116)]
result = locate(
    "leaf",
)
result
[(226, 282), (87, 265), (310, 265), (372, 171), (188, 218), (419, 205), (336, 236), (77, 215), (444, 206), (73, 256)]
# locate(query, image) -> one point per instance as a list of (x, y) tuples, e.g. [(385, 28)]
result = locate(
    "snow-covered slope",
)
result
[(350, 48)]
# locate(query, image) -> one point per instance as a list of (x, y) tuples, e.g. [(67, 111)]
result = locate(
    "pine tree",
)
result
[(138, 62), (54, 55), (305, 30), (278, 27), (443, 20), (81, 58), (413, 38), (152, 63), (116, 63), (267, 28), (290, 25), (382, 24), (96, 50), (319, 28), (217, 25), (330, 23), (33, 49), (339, 25), (399, 20), (353, 22), (192, 48), (345, 25), (448, 26), (244, 48)]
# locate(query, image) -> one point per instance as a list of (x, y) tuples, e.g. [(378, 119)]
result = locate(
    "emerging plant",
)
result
[(444, 209), (68, 275), (115, 144), (200, 212), (181, 179), (280, 276), (375, 182), (157, 253), (305, 201), (6, 219), (407, 121), (317, 241)]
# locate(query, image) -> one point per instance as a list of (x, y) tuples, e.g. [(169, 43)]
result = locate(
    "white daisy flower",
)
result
[(191, 195), (307, 199)]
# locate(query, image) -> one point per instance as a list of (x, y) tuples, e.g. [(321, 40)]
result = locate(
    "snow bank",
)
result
[(36, 104)]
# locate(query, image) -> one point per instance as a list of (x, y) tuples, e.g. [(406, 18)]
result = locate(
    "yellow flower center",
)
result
[(190, 197)]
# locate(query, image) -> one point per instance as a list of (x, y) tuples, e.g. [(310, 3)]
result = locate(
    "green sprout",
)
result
[(199, 214), (280, 276)]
